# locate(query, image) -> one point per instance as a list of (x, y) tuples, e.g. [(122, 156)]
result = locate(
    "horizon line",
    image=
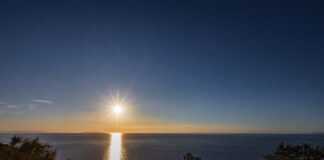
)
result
[(34, 132)]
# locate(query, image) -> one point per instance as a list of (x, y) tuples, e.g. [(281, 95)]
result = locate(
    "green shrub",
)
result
[(26, 149), (296, 152)]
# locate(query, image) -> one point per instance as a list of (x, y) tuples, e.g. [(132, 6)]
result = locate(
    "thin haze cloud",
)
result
[(42, 101), (31, 106), (2, 111), (18, 113)]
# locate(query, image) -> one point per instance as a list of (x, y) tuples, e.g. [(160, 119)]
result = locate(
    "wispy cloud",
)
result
[(42, 101), (12, 106), (12, 109), (3, 103)]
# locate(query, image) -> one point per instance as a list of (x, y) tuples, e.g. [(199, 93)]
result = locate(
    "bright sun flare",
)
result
[(117, 109)]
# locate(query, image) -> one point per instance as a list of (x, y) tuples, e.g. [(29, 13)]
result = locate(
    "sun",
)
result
[(117, 109)]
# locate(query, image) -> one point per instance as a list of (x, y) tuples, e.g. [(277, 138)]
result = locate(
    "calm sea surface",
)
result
[(166, 146)]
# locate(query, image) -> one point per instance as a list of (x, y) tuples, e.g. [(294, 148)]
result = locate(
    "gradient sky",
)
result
[(184, 66)]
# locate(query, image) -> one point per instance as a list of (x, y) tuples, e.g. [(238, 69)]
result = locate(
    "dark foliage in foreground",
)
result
[(26, 149), (189, 156), (32, 149), (296, 152)]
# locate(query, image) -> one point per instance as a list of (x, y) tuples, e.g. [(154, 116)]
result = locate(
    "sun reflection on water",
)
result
[(115, 147)]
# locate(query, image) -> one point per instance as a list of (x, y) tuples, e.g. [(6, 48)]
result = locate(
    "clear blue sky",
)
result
[(235, 63)]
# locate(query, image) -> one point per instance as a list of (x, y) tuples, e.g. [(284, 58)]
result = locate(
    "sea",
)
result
[(99, 146)]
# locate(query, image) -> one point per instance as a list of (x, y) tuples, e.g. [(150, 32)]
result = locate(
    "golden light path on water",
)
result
[(115, 147)]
